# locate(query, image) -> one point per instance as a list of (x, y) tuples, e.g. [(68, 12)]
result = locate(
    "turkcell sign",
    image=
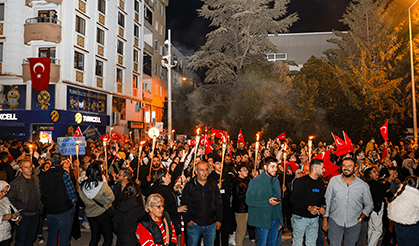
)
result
[(94, 119), (8, 117)]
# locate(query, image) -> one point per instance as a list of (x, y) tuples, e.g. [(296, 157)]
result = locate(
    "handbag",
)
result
[(110, 210)]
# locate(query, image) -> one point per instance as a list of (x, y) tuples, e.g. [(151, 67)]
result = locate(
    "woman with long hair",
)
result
[(98, 198), (404, 211)]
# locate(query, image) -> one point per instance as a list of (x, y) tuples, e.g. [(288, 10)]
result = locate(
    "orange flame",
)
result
[(197, 131), (257, 136), (30, 146), (311, 137), (142, 142)]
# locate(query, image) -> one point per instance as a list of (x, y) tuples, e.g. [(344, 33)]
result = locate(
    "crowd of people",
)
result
[(129, 194)]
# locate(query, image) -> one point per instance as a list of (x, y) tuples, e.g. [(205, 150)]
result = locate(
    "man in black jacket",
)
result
[(205, 212), (6, 171), (308, 203)]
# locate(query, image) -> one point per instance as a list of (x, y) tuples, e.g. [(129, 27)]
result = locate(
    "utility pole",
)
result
[(169, 66)]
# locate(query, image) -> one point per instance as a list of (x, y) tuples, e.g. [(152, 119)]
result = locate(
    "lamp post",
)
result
[(412, 74)]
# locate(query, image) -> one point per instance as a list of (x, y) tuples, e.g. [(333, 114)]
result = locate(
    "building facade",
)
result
[(97, 68)]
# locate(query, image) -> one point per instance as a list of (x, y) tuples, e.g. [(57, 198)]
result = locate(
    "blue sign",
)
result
[(81, 100), (67, 145), (12, 97), (44, 100)]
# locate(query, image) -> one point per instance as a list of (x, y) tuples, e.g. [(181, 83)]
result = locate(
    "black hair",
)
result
[(158, 176), (412, 181), (267, 160), (131, 190), (56, 159), (93, 174), (315, 162), (4, 155), (367, 174)]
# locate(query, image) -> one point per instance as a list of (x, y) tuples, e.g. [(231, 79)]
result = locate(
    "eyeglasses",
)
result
[(160, 206)]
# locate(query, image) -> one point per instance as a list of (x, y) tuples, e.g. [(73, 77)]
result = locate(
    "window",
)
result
[(80, 25), (155, 90), (78, 60), (1, 52), (100, 36), (161, 9), (276, 57), (102, 6), (135, 55), (155, 68), (160, 91), (120, 47), (1, 11), (119, 76), (148, 15), (156, 26), (136, 31), (121, 19), (99, 68), (156, 46), (46, 52), (135, 81), (147, 64), (136, 6)]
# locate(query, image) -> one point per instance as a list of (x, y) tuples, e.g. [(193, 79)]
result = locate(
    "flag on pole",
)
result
[(219, 134), (78, 133), (384, 131), (240, 138), (329, 166), (281, 136), (342, 147), (116, 136), (206, 143), (125, 139), (104, 137)]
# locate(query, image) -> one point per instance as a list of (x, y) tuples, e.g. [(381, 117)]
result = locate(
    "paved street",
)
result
[(84, 240)]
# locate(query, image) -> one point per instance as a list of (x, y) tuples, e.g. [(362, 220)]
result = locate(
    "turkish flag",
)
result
[(329, 166), (116, 136), (293, 165), (78, 133), (281, 136), (219, 134), (40, 72), (342, 147), (125, 139), (104, 137), (384, 131), (206, 143), (240, 138), (192, 142)]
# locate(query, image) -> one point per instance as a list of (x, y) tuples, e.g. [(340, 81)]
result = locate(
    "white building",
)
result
[(299, 47), (97, 51)]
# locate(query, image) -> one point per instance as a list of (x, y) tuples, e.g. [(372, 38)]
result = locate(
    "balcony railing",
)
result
[(54, 70), (47, 29), (43, 20), (30, 2)]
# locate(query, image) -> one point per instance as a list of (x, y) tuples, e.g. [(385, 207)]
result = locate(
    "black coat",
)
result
[(127, 215), (239, 189)]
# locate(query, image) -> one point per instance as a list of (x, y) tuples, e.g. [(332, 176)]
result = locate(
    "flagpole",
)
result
[(139, 160), (196, 148), (222, 160), (256, 150), (285, 158)]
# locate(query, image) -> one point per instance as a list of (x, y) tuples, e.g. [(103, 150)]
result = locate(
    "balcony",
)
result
[(54, 70), (30, 4), (47, 29)]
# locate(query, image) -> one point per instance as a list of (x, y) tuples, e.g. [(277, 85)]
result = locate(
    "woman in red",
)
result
[(156, 227)]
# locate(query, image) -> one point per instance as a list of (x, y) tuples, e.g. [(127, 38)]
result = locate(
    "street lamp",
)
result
[(412, 74)]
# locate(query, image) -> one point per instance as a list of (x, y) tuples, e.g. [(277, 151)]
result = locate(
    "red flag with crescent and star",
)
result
[(342, 147), (281, 136), (219, 133), (206, 143), (384, 131), (104, 137), (125, 139), (116, 136), (329, 166), (78, 133), (40, 72), (240, 138)]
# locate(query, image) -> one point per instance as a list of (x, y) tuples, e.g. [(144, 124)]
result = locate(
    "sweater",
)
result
[(261, 213), (405, 208), (103, 195)]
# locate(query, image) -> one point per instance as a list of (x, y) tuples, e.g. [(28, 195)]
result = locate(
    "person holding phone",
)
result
[(7, 212)]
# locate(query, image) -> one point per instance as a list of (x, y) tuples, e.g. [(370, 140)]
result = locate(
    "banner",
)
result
[(40, 72), (81, 100), (67, 145)]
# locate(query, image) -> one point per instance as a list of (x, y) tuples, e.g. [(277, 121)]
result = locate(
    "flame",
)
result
[(142, 142), (224, 139), (257, 136), (78, 142), (197, 131), (30, 146), (311, 137)]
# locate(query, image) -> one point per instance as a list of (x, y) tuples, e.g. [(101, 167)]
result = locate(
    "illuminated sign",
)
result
[(94, 119), (8, 117), (78, 118)]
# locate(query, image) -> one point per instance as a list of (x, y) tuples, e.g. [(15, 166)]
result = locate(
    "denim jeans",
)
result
[(26, 230), (195, 232), (304, 226), (337, 234), (272, 237), (60, 223)]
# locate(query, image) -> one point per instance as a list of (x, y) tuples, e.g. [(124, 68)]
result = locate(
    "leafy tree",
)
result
[(241, 32)]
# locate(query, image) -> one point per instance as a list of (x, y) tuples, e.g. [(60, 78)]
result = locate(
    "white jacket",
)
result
[(405, 208)]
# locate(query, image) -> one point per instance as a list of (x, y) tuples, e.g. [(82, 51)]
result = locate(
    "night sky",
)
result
[(189, 30)]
